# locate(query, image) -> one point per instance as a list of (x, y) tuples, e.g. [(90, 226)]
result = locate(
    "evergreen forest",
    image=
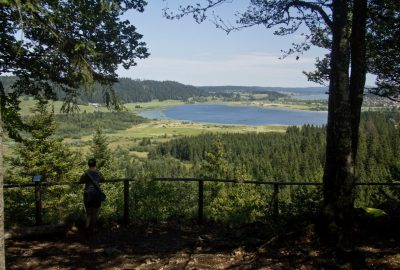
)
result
[(131, 91), (296, 155)]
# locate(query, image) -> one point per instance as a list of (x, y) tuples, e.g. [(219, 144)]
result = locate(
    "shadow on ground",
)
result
[(189, 246)]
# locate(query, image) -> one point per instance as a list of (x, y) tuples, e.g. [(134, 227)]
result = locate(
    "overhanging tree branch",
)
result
[(313, 7)]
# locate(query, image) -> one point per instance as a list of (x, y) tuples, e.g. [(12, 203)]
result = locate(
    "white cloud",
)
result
[(255, 68)]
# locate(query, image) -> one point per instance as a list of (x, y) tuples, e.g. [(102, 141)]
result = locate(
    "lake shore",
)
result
[(237, 115)]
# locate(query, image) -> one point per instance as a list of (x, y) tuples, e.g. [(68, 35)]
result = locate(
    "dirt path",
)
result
[(176, 246)]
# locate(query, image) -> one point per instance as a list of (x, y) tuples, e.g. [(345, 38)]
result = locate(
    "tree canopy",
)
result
[(65, 45), (346, 28), (313, 20), (384, 47)]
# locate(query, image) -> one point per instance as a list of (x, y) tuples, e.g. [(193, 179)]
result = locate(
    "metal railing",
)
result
[(200, 207)]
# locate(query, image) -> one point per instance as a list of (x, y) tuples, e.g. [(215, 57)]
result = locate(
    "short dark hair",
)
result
[(92, 162)]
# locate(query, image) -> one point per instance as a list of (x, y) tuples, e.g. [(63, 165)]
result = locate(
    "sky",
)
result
[(201, 55)]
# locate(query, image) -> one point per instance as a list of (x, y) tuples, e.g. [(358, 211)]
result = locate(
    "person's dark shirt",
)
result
[(96, 175)]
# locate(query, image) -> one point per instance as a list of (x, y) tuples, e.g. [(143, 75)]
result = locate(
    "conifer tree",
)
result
[(67, 43), (41, 153), (216, 164), (99, 149)]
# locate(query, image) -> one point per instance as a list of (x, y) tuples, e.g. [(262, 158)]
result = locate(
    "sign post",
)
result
[(38, 199)]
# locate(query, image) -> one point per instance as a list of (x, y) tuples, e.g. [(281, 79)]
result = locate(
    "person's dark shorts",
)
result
[(91, 200)]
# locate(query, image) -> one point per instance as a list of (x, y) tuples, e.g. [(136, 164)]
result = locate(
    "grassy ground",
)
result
[(266, 104), (159, 130), (154, 105), (27, 105), (162, 130)]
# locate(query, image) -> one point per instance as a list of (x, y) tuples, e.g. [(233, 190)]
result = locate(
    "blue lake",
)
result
[(238, 115), (312, 97)]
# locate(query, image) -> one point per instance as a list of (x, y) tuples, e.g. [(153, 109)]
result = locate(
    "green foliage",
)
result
[(65, 45), (297, 155), (130, 91), (238, 203), (156, 201), (374, 212), (231, 93), (77, 125), (215, 164), (19, 206), (99, 149), (160, 201), (58, 202), (300, 201), (378, 156), (384, 46), (42, 153)]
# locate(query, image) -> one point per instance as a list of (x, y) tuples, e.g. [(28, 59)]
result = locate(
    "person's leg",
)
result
[(87, 224), (90, 219), (93, 218)]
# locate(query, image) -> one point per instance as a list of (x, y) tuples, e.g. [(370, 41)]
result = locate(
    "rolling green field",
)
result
[(157, 130), (163, 130), (27, 105), (160, 130)]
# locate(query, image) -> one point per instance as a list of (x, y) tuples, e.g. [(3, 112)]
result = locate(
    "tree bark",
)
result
[(338, 181), (2, 246), (358, 66)]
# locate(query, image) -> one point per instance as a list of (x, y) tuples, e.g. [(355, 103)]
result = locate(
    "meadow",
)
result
[(157, 130)]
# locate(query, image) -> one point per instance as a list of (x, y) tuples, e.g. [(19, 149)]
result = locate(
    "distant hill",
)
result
[(257, 89), (130, 90)]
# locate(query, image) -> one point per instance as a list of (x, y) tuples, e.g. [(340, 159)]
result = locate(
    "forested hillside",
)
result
[(298, 154), (78, 125), (129, 90), (260, 89)]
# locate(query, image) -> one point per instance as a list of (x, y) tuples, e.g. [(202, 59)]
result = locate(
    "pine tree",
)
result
[(215, 163), (40, 152), (99, 149)]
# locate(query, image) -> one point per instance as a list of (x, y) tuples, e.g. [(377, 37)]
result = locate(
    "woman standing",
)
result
[(92, 196)]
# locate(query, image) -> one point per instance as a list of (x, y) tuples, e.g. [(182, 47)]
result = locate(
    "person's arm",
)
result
[(101, 177), (82, 179)]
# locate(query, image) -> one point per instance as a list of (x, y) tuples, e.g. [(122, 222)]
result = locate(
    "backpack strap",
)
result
[(95, 184)]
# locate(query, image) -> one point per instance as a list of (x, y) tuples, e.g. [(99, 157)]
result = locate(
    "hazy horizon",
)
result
[(201, 55)]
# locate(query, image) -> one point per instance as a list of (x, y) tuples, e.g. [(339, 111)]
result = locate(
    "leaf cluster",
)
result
[(65, 44)]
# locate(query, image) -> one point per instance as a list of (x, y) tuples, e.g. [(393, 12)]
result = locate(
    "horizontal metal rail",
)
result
[(176, 179), (276, 185)]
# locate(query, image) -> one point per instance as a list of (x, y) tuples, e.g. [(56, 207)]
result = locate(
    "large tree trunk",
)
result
[(338, 181), (2, 244), (2, 247), (358, 66)]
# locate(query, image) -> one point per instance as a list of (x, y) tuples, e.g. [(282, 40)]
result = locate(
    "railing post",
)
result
[(275, 199), (126, 201), (200, 202), (38, 204)]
